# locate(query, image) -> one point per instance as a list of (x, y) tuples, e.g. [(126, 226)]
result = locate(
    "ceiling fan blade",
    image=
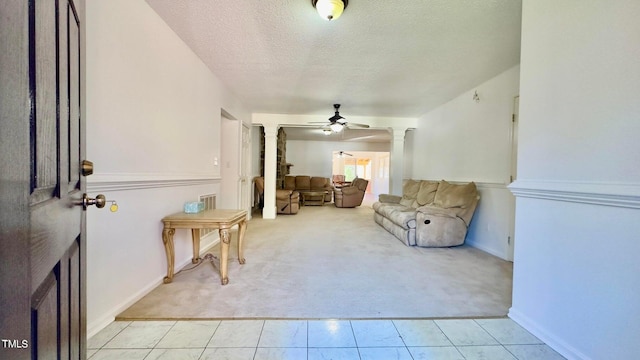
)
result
[(357, 125)]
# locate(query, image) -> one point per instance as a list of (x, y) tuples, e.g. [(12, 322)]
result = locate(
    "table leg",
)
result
[(195, 238), (224, 254), (242, 227), (167, 239)]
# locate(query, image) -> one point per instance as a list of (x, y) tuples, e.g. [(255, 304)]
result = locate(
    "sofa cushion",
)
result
[(303, 182), (452, 195), (427, 192), (407, 202), (387, 198), (317, 183), (289, 182), (400, 215), (409, 192)]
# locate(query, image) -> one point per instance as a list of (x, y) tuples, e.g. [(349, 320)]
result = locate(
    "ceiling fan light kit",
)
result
[(336, 127), (330, 9), (337, 123)]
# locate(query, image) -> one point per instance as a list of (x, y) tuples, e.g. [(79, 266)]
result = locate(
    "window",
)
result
[(354, 167)]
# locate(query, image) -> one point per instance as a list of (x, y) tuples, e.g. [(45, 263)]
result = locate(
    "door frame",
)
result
[(513, 167)]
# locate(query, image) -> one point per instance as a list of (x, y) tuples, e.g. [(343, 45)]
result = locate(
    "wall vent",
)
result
[(209, 201)]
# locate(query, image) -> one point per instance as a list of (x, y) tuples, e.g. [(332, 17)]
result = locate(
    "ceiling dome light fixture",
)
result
[(330, 9), (336, 127)]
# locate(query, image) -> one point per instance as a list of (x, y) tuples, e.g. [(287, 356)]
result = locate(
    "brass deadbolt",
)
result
[(87, 168)]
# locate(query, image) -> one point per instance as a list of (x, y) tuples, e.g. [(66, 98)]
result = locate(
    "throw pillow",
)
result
[(407, 202)]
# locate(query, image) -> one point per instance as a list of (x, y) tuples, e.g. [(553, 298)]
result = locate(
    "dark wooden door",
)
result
[(43, 224)]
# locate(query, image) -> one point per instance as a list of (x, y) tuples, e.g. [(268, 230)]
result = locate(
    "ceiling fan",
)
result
[(342, 154), (337, 122)]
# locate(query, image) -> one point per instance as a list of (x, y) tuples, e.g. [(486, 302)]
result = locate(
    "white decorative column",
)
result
[(396, 166), (270, 160)]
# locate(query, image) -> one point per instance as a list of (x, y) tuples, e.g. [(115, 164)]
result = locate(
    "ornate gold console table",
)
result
[(209, 219)]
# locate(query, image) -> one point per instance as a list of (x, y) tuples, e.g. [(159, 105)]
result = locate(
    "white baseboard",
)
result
[(95, 326), (98, 325), (545, 335), (491, 251)]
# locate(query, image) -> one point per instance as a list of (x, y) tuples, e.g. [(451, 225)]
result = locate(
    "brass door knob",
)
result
[(100, 201)]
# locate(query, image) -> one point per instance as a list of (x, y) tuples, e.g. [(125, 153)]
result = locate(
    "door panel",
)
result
[(42, 237), (45, 319)]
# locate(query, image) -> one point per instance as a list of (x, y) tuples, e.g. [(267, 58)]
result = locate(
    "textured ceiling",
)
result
[(381, 58)]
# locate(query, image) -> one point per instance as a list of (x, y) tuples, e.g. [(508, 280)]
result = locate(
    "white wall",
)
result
[(315, 158), (576, 270), (153, 129), (467, 140), (464, 140)]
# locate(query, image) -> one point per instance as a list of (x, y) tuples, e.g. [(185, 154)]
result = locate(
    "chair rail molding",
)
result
[(618, 194), (136, 181)]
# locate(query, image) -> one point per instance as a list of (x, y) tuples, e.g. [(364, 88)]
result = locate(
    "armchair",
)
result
[(287, 201), (352, 195)]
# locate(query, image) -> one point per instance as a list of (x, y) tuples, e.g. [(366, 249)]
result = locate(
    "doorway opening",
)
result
[(370, 165), (230, 160)]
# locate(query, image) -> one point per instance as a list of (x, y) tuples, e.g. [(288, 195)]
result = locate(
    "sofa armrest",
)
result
[(350, 190), (388, 198), (283, 194), (438, 211), (439, 227)]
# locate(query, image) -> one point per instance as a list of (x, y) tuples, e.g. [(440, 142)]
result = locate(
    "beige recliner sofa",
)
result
[(429, 213), (309, 183), (351, 195)]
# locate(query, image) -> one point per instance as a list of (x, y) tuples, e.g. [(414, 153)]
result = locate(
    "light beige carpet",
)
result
[(327, 262)]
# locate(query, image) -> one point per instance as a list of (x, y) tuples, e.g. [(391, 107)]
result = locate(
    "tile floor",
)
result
[(466, 339)]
